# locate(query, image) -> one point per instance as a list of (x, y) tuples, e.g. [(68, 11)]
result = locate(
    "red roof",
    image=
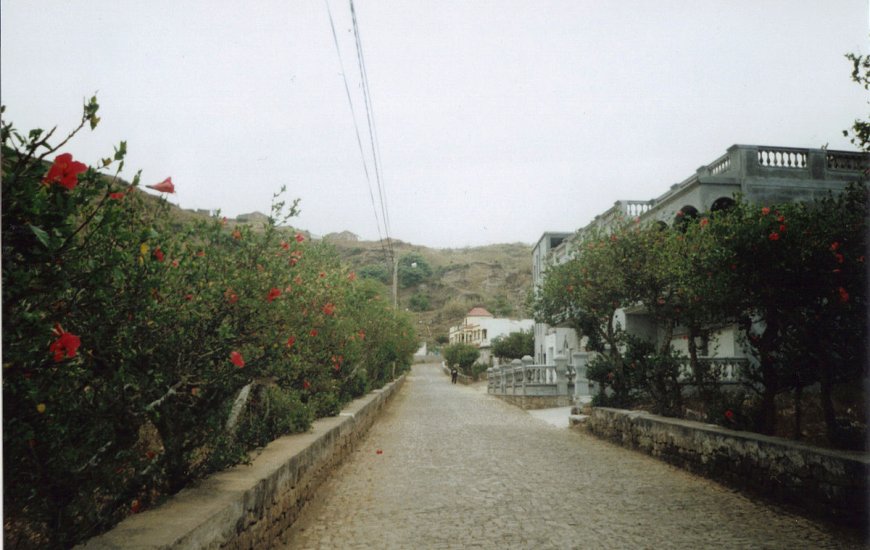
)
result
[(479, 312)]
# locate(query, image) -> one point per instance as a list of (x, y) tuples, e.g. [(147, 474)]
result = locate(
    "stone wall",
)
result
[(250, 505), (822, 482), (530, 402)]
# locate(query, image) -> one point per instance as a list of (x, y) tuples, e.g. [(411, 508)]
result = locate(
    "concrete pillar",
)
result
[(561, 374), (582, 395)]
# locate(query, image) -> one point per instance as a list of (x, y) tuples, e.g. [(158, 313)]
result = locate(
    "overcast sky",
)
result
[(496, 120)]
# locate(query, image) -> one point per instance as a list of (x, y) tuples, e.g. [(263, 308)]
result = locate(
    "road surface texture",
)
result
[(448, 466)]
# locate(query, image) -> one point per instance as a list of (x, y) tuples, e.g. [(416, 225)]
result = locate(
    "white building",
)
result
[(761, 174), (480, 328)]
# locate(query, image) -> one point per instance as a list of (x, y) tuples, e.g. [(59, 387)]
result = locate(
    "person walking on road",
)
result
[(454, 375)]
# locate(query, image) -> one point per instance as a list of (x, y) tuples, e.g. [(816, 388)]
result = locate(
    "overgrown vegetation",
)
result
[(791, 277), (128, 335)]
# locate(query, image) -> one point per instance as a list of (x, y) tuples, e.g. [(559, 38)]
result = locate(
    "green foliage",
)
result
[(477, 369), (420, 302), (378, 272), (515, 345), (413, 270), (127, 334), (861, 75), (461, 356), (791, 276), (501, 307)]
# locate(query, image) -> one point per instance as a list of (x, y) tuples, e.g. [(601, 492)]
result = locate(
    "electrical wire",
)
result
[(370, 117), (356, 128)]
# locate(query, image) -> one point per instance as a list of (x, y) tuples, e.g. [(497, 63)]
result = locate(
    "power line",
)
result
[(371, 126), (356, 128)]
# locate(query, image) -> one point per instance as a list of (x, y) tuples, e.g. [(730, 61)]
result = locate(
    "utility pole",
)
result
[(396, 280)]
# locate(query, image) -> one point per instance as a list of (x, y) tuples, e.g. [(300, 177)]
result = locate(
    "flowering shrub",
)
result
[(128, 335), (792, 277)]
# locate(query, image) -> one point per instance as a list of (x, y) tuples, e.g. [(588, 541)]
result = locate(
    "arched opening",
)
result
[(683, 216), (722, 204)]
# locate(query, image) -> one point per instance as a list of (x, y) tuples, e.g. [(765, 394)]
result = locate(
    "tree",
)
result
[(420, 302), (413, 270), (860, 74), (462, 356), (379, 272), (515, 345)]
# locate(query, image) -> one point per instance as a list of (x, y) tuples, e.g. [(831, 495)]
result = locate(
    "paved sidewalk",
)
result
[(460, 469)]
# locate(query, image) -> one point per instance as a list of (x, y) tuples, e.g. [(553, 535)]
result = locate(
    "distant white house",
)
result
[(480, 328)]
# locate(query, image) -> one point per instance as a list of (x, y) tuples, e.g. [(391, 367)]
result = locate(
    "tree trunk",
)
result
[(798, 411), (826, 388)]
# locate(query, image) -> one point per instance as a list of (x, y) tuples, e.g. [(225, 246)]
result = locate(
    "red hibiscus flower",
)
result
[(237, 359), (274, 293), (116, 196), (291, 341), (174, 263), (165, 186), (773, 236), (231, 296), (306, 385), (729, 414), (158, 254), (765, 211), (844, 295), (65, 171), (313, 332), (300, 237), (782, 228), (703, 222), (66, 344), (328, 309), (835, 246), (285, 245), (135, 506)]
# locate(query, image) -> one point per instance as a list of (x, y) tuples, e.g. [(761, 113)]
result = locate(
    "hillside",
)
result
[(497, 277)]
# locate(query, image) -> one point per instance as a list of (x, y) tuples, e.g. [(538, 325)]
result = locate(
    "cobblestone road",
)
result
[(461, 469)]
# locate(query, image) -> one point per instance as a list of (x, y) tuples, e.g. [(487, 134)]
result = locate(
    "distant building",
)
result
[(761, 174), (480, 328)]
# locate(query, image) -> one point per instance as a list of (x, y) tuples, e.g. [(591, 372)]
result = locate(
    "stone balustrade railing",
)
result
[(727, 370), (523, 379)]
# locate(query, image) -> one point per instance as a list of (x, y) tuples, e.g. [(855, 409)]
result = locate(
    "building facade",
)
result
[(480, 327), (760, 174)]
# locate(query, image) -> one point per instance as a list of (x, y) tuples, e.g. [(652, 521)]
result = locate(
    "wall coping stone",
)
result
[(857, 456), (215, 511), (819, 481)]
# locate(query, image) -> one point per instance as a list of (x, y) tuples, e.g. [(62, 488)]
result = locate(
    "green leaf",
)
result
[(41, 235)]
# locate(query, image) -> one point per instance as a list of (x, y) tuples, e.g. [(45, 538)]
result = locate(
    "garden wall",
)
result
[(823, 482), (249, 506)]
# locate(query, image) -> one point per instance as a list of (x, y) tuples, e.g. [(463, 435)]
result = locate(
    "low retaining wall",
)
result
[(249, 506), (822, 482), (530, 402)]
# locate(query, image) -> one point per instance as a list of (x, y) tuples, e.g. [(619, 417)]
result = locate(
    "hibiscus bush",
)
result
[(141, 352)]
